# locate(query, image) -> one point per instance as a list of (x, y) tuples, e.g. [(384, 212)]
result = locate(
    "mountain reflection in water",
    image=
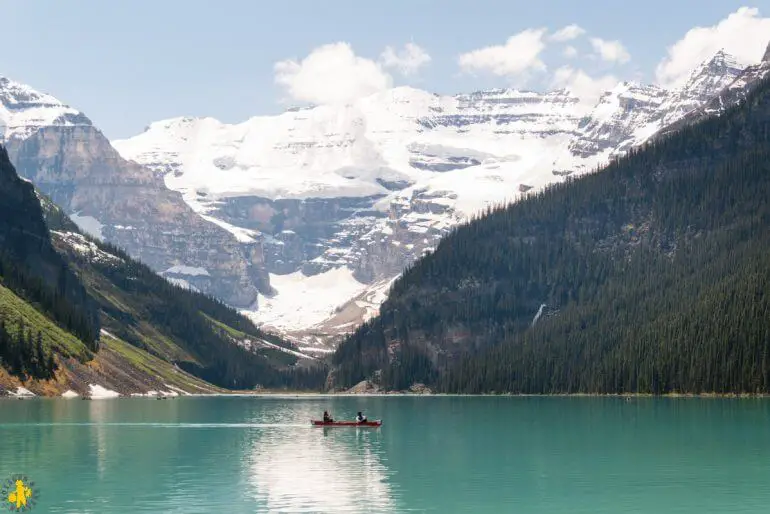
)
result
[(320, 470)]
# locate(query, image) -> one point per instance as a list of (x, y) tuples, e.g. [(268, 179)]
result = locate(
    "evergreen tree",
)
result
[(39, 363), (3, 342), (50, 366)]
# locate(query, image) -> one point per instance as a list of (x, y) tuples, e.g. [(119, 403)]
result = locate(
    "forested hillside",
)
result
[(31, 266), (198, 333), (61, 292), (652, 275)]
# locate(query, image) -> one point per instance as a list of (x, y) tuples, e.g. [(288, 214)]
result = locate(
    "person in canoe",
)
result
[(360, 418), (327, 418)]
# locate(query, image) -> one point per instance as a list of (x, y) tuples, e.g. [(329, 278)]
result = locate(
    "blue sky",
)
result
[(126, 64)]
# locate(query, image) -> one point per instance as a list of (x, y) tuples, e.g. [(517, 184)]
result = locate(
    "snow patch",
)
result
[(243, 235), (23, 392), (87, 248), (148, 394), (99, 392), (284, 350), (105, 333), (69, 394), (176, 390), (319, 350), (188, 270), (88, 224), (304, 301)]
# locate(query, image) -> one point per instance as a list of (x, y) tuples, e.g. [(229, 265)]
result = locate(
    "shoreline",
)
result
[(501, 395), (399, 394)]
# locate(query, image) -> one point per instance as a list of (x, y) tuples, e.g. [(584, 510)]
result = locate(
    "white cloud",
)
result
[(408, 61), (588, 89), (331, 74), (610, 51), (519, 55), (743, 34), (570, 52), (567, 33)]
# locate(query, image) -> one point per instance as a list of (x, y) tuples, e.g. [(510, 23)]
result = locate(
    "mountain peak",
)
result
[(722, 62), (712, 75), (24, 110), (766, 57)]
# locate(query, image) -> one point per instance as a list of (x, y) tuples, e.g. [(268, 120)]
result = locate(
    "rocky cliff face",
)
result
[(631, 113), (725, 97), (71, 161)]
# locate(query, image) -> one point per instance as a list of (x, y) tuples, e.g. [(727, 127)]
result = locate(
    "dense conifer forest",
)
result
[(651, 276), (24, 354)]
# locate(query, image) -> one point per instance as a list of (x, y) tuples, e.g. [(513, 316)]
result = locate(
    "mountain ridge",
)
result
[(405, 165)]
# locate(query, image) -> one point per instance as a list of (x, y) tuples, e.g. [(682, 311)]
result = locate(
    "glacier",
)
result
[(343, 198)]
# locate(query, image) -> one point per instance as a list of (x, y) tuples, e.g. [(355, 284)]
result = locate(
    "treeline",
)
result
[(23, 354), (653, 272)]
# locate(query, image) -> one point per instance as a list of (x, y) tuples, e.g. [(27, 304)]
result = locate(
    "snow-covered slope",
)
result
[(23, 111), (403, 135), (631, 113), (728, 97), (343, 198)]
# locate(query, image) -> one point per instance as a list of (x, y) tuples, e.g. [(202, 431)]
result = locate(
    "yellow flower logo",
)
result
[(19, 494)]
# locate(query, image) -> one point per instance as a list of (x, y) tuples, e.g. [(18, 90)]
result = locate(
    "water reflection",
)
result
[(98, 412), (319, 470)]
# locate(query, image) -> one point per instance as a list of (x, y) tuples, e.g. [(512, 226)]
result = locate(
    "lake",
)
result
[(432, 454)]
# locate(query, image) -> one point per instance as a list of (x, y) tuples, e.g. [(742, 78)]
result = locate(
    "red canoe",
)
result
[(375, 423)]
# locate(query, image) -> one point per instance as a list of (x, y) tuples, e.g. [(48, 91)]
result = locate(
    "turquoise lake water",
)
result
[(433, 454)]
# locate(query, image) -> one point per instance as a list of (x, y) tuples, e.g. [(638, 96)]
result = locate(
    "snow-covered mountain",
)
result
[(59, 149), (23, 111), (305, 218), (343, 198), (728, 97)]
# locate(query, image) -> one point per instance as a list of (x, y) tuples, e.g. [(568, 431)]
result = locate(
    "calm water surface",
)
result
[(450, 454)]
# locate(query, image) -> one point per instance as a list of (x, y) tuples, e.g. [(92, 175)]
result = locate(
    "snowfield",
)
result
[(302, 301)]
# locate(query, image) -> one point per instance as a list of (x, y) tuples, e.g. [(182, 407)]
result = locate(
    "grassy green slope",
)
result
[(14, 309), (117, 365)]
